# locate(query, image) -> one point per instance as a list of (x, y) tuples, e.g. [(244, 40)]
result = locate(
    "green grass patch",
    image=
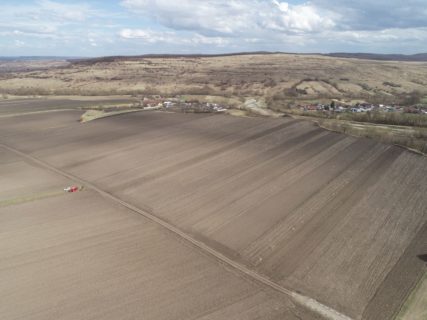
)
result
[(91, 115), (415, 307), (29, 198)]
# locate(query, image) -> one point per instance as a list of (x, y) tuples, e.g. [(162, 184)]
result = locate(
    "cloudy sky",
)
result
[(94, 28)]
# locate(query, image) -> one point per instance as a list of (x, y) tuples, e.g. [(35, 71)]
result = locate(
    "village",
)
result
[(180, 105), (337, 106)]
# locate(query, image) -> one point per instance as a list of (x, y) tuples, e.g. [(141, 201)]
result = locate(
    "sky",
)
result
[(130, 27)]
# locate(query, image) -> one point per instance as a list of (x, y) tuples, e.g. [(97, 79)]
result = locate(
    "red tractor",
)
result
[(72, 189)]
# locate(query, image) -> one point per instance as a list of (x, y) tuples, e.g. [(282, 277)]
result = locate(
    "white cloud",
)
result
[(19, 43), (392, 35), (376, 15), (233, 18), (316, 25), (233, 24), (303, 18), (49, 17), (217, 41), (47, 24), (138, 26), (148, 35), (170, 37)]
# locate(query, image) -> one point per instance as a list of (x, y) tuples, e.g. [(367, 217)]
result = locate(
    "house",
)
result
[(311, 107), (411, 109), (151, 102)]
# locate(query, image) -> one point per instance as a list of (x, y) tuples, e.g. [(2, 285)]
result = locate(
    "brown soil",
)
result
[(330, 216), (80, 256)]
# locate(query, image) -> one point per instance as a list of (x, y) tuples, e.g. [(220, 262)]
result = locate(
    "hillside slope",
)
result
[(385, 57), (279, 78)]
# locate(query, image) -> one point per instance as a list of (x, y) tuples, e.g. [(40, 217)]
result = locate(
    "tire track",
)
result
[(204, 156), (228, 177), (220, 175), (264, 246), (270, 193), (161, 158), (325, 220), (307, 302), (154, 123), (399, 282)]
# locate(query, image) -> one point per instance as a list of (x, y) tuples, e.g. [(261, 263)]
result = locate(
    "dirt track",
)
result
[(317, 212)]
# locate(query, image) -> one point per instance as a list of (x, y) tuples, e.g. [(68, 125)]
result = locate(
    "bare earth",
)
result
[(338, 219), (80, 256)]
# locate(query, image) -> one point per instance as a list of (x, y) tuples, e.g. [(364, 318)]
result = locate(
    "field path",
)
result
[(305, 301)]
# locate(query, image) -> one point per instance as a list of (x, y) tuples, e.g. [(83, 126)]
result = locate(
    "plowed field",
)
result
[(339, 219)]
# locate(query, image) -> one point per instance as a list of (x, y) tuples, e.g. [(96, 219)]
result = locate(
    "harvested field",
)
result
[(337, 218)]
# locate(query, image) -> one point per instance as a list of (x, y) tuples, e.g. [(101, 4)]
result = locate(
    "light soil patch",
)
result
[(91, 115), (259, 108), (415, 307), (318, 87), (234, 102), (238, 113)]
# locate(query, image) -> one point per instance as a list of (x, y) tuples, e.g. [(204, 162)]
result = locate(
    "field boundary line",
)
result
[(307, 302), (10, 115)]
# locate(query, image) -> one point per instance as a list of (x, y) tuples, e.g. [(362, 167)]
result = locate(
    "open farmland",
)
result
[(80, 256), (339, 219)]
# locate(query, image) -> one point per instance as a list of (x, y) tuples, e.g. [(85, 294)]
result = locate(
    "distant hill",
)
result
[(36, 58), (367, 56), (85, 60), (166, 56), (16, 64), (383, 57), (281, 79)]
